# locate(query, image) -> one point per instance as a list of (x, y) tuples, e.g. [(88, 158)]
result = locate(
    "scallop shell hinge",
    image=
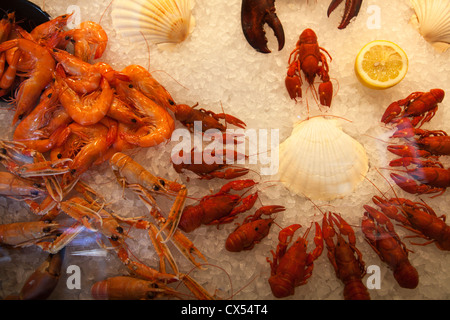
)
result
[(321, 161), (159, 21)]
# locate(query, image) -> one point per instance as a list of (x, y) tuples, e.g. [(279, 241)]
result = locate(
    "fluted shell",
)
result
[(321, 161), (432, 19), (159, 21)]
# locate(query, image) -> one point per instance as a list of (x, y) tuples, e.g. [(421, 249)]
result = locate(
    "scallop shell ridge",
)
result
[(321, 161), (159, 21), (432, 20)]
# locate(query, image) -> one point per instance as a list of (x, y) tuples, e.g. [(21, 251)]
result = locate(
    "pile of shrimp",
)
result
[(72, 112), (68, 104)]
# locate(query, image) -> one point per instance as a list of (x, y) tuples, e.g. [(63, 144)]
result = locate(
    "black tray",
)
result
[(28, 15)]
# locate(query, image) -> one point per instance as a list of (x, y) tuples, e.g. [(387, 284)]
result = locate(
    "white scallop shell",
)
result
[(321, 161), (159, 21), (432, 19)]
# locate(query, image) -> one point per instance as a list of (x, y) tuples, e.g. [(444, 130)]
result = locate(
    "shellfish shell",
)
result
[(159, 21), (321, 161), (432, 20)]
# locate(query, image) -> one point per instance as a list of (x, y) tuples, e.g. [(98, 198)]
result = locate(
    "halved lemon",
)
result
[(381, 64)]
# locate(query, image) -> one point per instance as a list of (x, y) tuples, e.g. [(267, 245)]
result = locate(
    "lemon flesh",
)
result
[(381, 64)]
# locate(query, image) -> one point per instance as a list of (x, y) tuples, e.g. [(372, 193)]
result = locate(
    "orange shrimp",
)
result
[(82, 77), (27, 131), (162, 124), (129, 288), (47, 30), (19, 188), (122, 112), (89, 40), (8, 76), (22, 234), (89, 109), (144, 82), (6, 25), (92, 142), (38, 78)]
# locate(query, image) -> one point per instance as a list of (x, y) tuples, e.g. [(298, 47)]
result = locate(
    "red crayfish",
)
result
[(252, 230), (420, 106), (209, 120), (418, 218), (381, 236), (307, 57), (293, 267), (430, 178), (209, 169), (344, 256), (221, 207)]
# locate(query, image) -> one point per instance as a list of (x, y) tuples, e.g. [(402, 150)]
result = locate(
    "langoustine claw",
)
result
[(254, 14), (351, 10)]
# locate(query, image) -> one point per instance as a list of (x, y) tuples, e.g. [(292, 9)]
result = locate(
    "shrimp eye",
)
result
[(73, 171), (119, 230), (130, 86), (49, 95), (163, 183), (3, 150), (171, 102), (114, 238), (67, 38), (59, 156), (64, 16), (133, 120), (34, 193), (156, 188), (20, 116)]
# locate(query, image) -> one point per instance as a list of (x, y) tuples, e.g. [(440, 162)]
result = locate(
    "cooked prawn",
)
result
[(28, 130), (38, 78), (144, 82), (50, 29), (88, 109), (161, 123), (88, 34)]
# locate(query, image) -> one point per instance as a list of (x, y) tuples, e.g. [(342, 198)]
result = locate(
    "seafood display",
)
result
[(107, 186)]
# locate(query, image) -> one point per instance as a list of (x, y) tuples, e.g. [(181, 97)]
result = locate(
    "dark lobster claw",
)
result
[(351, 10), (254, 14), (43, 281)]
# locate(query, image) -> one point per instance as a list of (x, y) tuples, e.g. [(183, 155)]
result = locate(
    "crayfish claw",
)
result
[(326, 93), (254, 14), (351, 10)]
